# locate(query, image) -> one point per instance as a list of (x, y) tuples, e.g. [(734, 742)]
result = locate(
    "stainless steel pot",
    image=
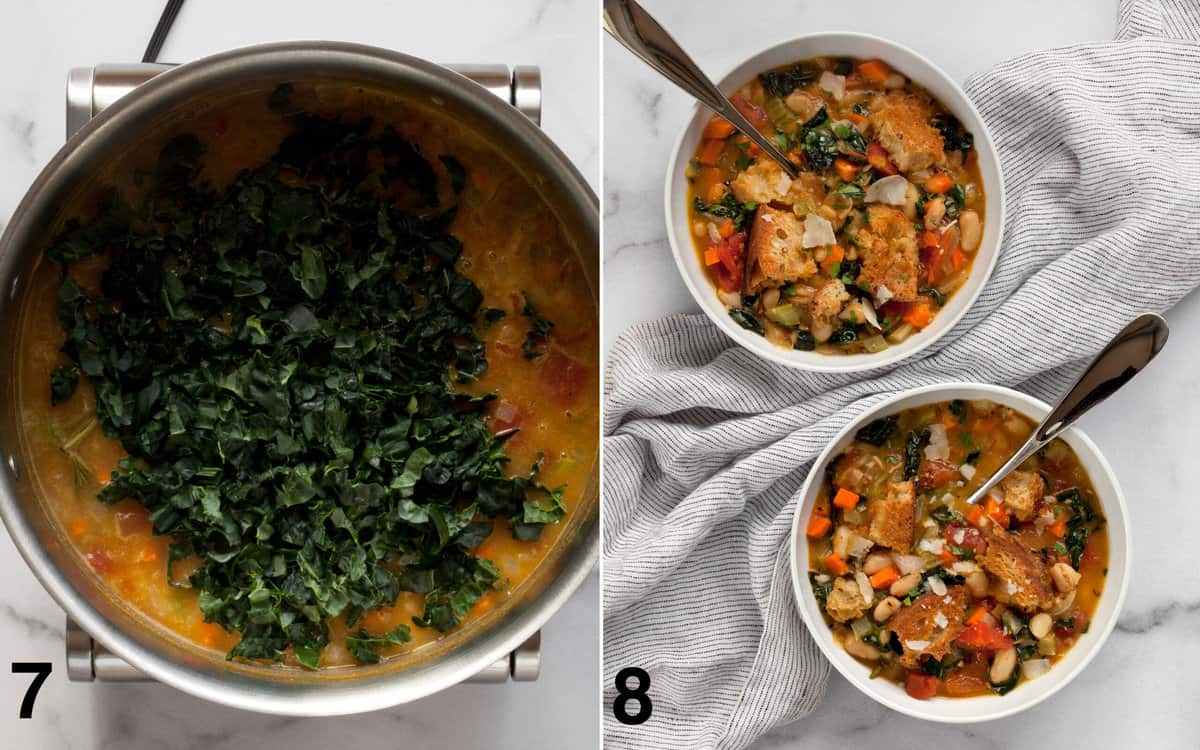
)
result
[(148, 646)]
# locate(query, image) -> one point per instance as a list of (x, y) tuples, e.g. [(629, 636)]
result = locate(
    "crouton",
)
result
[(891, 519), (845, 602), (776, 254), (902, 126), (890, 257), (929, 625), (1022, 490), (764, 181), (1021, 580), (825, 306)]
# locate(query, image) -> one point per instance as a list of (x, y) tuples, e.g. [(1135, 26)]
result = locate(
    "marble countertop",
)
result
[(41, 41), (1142, 686)]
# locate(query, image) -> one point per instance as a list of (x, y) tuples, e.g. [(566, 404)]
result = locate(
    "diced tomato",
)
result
[(935, 472), (980, 636), (732, 252), (961, 535), (563, 377), (751, 111), (100, 561), (920, 685), (505, 415)]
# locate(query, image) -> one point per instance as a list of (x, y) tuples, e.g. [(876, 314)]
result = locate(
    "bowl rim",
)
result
[(1115, 512), (335, 696), (683, 251)]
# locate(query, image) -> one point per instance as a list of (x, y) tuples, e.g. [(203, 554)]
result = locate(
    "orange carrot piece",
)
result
[(718, 127), (975, 515), (875, 71), (79, 527), (846, 169), (855, 118), (818, 526), (836, 565), (947, 557), (710, 152), (939, 183), (725, 228), (885, 577), (977, 615), (833, 256), (845, 499), (919, 315), (1059, 527), (997, 513), (930, 239), (711, 257), (878, 158), (958, 259), (715, 193)]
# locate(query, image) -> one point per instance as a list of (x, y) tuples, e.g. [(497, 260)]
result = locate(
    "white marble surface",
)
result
[(1142, 687), (38, 43)]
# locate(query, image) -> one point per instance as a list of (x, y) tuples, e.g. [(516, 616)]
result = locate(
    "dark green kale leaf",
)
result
[(728, 207), (365, 647), (954, 135), (535, 342), (63, 382), (913, 445), (747, 319), (878, 431), (278, 357), (783, 82)]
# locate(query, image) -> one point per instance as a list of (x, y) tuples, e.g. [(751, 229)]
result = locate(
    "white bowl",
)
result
[(1027, 694), (923, 72)]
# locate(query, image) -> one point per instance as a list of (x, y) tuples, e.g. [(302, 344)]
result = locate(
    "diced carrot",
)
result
[(920, 685), (977, 615), (710, 151), (1059, 527), (885, 577), (846, 169), (875, 71), (997, 513), (939, 183), (718, 127), (715, 193), (958, 259), (919, 315), (975, 515), (833, 256), (929, 239), (711, 257), (845, 499), (878, 158), (947, 557), (818, 526), (148, 554), (855, 118), (836, 565), (725, 228), (79, 527)]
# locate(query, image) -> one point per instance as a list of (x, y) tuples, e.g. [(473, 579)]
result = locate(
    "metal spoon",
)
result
[(632, 26), (1125, 356)]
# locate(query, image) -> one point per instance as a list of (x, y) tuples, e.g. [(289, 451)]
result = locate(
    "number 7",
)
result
[(42, 670)]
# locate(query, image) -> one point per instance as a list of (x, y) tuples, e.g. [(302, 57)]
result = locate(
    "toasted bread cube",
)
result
[(929, 625), (824, 308), (1020, 578), (776, 254), (1022, 490), (845, 602), (902, 126), (891, 520), (890, 257), (764, 181)]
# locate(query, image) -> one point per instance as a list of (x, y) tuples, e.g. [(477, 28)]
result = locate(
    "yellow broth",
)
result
[(952, 542), (512, 242)]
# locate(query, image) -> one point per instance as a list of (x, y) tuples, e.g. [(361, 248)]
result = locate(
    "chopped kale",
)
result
[(878, 431), (746, 319), (913, 445), (63, 382), (728, 207), (783, 82), (535, 342), (954, 135)]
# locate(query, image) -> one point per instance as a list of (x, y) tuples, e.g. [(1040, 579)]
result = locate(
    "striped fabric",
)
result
[(706, 445)]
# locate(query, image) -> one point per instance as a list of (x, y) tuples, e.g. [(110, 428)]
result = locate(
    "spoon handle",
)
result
[(1125, 356), (630, 24)]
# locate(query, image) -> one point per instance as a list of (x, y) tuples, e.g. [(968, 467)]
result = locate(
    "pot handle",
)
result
[(90, 90), (90, 661)]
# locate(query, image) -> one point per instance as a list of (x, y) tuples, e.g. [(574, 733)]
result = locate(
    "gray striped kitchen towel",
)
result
[(706, 445)]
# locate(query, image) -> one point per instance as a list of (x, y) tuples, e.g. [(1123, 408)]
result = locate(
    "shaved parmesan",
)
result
[(833, 83), (967, 470), (818, 232), (917, 645), (937, 585), (940, 620), (883, 294), (892, 190), (939, 442), (864, 586)]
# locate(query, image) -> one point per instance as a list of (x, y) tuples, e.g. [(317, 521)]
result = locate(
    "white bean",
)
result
[(841, 540), (905, 584), (858, 649), (972, 230), (770, 298), (977, 582), (935, 211), (894, 81), (1003, 666), (886, 608), (1065, 577), (1040, 625)]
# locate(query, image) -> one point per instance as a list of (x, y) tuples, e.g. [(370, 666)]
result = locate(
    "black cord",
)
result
[(161, 30)]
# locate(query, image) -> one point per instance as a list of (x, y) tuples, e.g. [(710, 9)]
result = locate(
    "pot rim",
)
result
[(337, 695)]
